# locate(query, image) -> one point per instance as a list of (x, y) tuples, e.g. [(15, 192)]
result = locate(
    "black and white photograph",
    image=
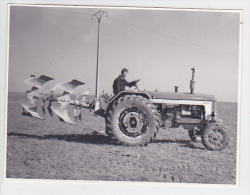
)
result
[(123, 94)]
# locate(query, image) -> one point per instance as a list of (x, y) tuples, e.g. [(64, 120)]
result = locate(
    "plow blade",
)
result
[(38, 81), (69, 86), (64, 100), (62, 113), (31, 109)]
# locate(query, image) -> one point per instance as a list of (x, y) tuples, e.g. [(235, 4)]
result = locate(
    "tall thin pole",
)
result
[(98, 15), (97, 61)]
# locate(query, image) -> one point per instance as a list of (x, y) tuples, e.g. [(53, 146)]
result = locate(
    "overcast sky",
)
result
[(158, 46)]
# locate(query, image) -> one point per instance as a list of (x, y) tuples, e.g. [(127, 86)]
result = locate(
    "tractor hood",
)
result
[(180, 96)]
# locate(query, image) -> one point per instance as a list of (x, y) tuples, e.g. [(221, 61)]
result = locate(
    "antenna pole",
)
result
[(98, 15)]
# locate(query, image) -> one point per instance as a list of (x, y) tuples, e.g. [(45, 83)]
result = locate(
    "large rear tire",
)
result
[(215, 137), (132, 120)]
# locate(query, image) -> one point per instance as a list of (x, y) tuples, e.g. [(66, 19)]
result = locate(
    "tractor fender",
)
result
[(123, 93)]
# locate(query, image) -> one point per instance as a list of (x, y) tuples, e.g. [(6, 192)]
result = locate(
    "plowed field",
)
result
[(50, 149)]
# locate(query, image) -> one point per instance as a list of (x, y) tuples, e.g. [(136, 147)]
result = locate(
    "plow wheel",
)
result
[(132, 120), (214, 137)]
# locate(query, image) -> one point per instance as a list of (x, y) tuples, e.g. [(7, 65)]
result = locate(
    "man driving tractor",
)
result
[(120, 82)]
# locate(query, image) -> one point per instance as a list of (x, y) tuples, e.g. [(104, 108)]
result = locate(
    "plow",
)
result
[(55, 103)]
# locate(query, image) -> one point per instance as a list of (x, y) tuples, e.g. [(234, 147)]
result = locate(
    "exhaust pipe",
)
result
[(176, 89), (192, 82)]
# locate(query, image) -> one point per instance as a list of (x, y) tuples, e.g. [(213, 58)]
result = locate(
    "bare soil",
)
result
[(50, 149)]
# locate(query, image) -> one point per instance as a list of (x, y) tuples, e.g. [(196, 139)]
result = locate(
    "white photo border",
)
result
[(16, 186)]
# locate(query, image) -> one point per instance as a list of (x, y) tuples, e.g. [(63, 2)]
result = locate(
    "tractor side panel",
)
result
[(207, 104)]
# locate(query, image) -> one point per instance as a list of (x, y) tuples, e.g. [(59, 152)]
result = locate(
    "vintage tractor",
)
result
[(134, 117)]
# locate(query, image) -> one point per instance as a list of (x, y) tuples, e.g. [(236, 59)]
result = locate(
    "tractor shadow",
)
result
[(97, 138), (182, 143), (77, 138)]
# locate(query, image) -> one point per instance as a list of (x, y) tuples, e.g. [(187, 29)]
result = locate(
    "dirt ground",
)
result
[(50, 149)]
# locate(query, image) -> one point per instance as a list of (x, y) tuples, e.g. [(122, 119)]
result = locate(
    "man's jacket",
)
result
[(120, 83)]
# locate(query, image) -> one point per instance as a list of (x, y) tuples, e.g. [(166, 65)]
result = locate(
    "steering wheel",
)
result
[(135, 85)]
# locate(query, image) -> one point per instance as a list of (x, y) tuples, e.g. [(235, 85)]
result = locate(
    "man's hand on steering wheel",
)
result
[(135, 84), (137, 81)]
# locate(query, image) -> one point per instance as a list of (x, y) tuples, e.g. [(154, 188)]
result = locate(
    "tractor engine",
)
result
[(172, 115), (192, 111)]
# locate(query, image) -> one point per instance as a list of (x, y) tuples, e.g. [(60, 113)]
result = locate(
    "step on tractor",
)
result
[(134, 117)]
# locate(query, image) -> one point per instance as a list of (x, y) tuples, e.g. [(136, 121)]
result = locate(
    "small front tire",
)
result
[(195, 134), (215, 137)]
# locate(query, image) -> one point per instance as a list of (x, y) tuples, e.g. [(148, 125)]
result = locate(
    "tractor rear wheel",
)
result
[(214, 137), (132, 120)]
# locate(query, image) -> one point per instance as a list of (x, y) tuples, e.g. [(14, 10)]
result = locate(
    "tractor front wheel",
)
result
[(214, 137), (132, 120)]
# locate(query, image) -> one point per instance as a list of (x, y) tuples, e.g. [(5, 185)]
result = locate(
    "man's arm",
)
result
[(130, 84)]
